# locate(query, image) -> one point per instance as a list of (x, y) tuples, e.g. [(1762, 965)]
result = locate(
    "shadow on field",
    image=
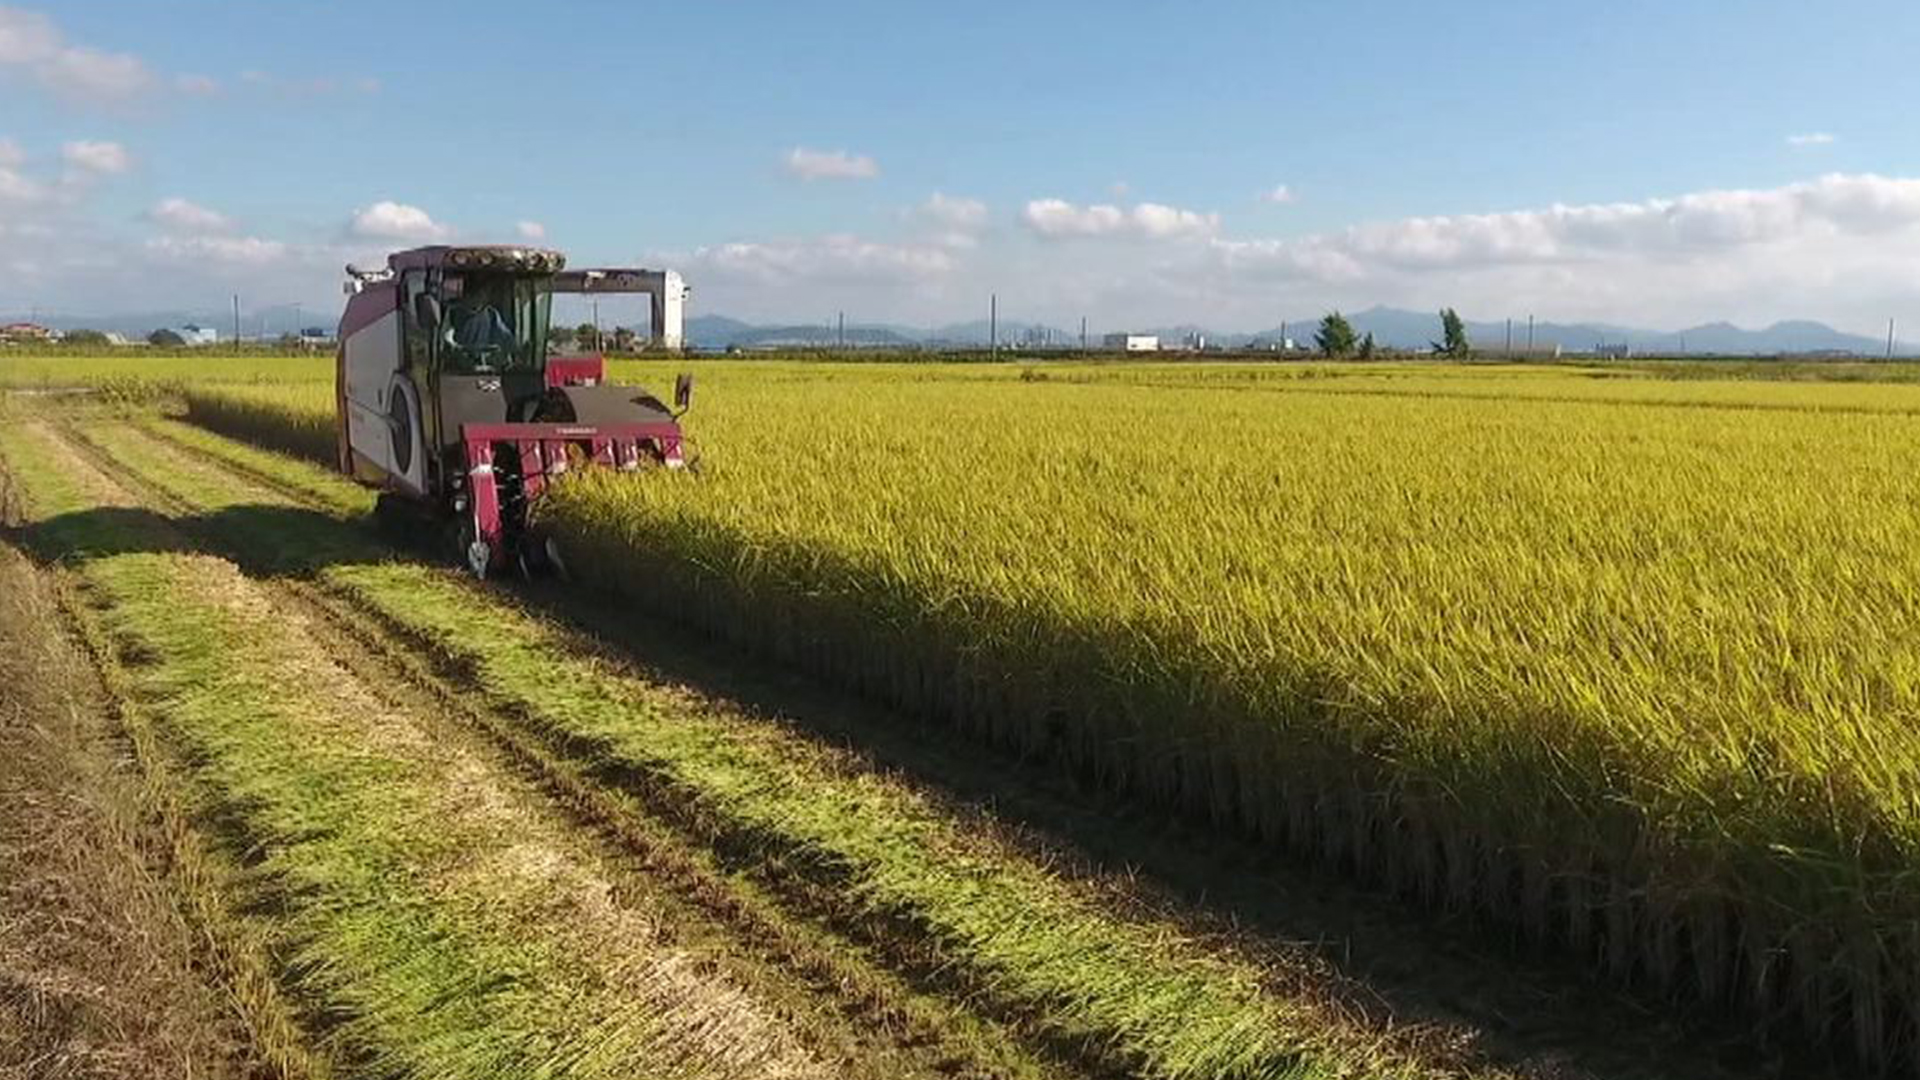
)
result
[(263, 540), (1539, 1017), (1543, 1017)]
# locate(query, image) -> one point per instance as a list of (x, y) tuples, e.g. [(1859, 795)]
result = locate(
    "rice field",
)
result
[(1637, 677), (1620, 663)]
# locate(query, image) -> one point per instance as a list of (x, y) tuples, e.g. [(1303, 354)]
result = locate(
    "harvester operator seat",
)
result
[(483, 334)]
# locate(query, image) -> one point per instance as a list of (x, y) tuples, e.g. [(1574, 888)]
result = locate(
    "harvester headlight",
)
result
[(460, 258)]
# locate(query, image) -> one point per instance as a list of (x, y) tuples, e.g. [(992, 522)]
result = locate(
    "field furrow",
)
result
[(433, 916)]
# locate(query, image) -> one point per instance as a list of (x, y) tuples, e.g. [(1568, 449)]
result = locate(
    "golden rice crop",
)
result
[(297, 419), (1642, 679)]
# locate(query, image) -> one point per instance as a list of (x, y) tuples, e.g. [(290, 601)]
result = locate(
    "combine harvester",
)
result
[(449, 404)]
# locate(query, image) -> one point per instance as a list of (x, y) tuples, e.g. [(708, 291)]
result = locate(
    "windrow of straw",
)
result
[(433, 918)]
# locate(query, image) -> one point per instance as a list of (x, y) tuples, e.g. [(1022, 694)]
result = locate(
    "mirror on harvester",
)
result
[(683, 391), (426, 310)]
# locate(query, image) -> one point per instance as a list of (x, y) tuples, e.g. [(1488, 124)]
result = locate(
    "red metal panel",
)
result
[(533, 470), (576, 370), (486, 496)]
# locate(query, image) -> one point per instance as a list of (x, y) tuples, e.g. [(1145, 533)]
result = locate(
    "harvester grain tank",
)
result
[(449, 404)]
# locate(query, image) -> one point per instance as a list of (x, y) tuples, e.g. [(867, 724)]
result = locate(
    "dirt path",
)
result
[(848, 995)]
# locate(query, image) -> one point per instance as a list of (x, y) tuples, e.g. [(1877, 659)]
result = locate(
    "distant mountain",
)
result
[(1391, 327), (1403, 329)]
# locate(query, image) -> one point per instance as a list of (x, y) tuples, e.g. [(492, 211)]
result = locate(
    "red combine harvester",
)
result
[(449, 404)]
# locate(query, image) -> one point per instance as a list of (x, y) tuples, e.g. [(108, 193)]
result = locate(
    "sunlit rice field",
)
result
[(1629, 664)]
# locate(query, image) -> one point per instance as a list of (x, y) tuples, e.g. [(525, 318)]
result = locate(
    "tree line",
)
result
[(1336, 338)]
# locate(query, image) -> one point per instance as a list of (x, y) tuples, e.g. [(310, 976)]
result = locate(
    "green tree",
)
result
[(1366, 346), (587, 336), (89, 338), (1335, 336), (1453, 336), (165, 339), (561, 339)]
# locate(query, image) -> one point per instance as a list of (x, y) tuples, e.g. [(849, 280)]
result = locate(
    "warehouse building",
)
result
[(1132, 342)]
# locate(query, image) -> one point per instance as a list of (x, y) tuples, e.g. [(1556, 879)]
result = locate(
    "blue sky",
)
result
[(1653, 164)]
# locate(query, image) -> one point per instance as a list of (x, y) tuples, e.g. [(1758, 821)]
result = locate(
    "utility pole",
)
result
[(596, 324), (993, 324), (1529, 333), (236, 322), (840, 331), (1283, 336), (1509, 335), (1889, 339), (1083, 333)]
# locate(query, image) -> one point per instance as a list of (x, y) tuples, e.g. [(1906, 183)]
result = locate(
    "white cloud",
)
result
[(232, 251), (197, 85), (100, 158), (954, 212), (183, 216), (388, 220), (1057, 218), (530, 230), (31, 43), (19, 190), (1278, 194), (832, 259), (11, 156), (830, 165), (1811, 139), (1682, 227)]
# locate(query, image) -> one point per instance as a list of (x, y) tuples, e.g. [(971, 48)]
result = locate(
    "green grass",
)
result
[(435, 926)]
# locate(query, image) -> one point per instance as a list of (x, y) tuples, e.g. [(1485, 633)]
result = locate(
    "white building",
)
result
[(198, 335), (1132, 342)]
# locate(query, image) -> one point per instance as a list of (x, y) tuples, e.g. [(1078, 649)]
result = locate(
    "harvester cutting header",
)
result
[(449, 403)]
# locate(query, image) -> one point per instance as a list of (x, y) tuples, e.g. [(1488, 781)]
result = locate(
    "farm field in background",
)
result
[(1622, 660)]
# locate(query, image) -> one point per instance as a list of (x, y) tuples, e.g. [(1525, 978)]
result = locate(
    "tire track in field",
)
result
[(883, 1043), (859, 1017), (230, 948), (1546, 1024)]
